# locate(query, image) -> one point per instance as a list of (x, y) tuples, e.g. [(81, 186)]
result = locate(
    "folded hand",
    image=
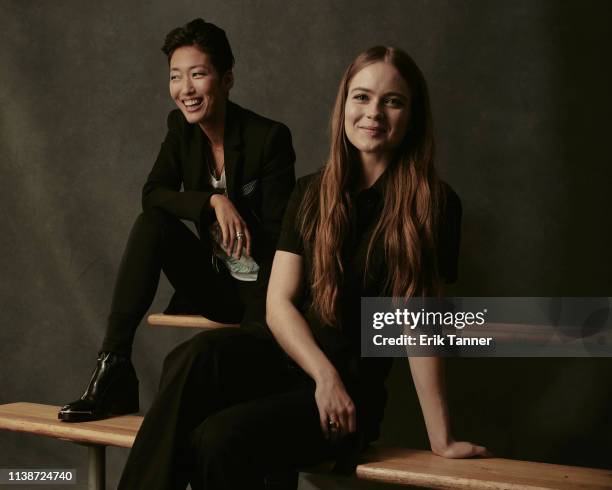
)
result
[(233, 228)]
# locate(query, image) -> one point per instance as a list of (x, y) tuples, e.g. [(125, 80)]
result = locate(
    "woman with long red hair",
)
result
[(375, 221)]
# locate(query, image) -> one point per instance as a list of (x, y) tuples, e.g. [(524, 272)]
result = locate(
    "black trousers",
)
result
[(230, 410), (159, 241)]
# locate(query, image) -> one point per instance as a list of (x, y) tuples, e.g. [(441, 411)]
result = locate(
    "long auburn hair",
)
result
[(412, 199)]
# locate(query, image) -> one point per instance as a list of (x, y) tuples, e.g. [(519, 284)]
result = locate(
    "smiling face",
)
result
[(377, 110), (196, 87)]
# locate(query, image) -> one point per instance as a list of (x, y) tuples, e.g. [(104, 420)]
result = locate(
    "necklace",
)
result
[(216, 174), (216, 171)]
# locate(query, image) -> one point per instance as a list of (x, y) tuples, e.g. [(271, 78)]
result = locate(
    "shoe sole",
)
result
[(115, 410), (90, 417)]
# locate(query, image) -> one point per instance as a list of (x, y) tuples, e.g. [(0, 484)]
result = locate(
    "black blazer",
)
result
[(259, 171)]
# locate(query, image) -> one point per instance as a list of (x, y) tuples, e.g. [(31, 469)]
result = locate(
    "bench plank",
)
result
[(425, 469), (189, 321), (42, 420)]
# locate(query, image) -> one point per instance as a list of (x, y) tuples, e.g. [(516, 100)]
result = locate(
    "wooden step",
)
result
[(425, 469), (42, 420), (189, 321)]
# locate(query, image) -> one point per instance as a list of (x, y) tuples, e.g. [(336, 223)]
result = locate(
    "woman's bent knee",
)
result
[(219, 439), (154, 219)]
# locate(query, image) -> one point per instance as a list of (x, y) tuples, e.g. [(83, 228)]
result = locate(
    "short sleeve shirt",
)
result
[(365, 213)]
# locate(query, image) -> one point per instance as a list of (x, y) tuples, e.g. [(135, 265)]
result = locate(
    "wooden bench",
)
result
[(42, 420), (386, 465)]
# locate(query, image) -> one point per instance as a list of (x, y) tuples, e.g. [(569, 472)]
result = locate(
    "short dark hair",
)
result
[(206, 36)]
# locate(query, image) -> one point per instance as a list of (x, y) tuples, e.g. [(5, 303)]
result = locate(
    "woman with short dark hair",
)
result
[(227, 170)]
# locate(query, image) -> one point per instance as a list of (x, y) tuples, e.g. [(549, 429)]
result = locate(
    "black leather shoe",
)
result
[(112, 390)]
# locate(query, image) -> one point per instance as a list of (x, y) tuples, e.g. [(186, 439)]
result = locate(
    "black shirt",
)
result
[(342, 345)]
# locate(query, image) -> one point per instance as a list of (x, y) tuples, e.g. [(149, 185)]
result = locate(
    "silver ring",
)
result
[(239, 235)]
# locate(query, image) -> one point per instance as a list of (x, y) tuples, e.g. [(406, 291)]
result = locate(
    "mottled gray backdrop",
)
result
[(521, 101)]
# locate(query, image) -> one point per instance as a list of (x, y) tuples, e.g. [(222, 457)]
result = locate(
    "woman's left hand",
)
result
[(461, 449), (337, 412)]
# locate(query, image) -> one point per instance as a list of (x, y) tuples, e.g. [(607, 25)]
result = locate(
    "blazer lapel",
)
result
[(197, 157), (232, 143)]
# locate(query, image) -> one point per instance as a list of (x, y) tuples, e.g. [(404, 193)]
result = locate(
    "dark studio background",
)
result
[(521, 100)]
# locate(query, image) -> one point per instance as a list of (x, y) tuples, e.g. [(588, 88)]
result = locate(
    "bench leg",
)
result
[(97, 467)]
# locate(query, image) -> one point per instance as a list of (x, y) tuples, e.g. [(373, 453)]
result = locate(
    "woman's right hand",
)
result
[(231, 223), (335, 405)]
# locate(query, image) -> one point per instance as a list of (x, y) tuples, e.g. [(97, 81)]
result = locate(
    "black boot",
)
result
[(112, 390)]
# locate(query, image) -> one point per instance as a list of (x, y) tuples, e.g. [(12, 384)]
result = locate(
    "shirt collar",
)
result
[(377, 189)]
